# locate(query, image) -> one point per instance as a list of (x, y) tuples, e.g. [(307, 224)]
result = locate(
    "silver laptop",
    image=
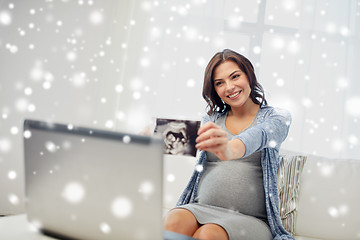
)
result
[(85, 183)]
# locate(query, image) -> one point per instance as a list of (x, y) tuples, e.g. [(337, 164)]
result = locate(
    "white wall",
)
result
[(116, 64)]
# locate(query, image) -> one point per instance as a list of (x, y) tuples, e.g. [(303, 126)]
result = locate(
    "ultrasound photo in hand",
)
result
[(179, 135)]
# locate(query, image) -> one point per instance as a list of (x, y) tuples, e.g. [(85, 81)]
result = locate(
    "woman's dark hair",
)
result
[(215, 104)]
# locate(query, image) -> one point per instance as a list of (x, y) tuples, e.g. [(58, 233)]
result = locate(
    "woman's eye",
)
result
[(218, 83), (236, 76)]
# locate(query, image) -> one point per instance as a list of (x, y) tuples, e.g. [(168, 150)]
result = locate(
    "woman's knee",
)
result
[(211, 232), (181, 221)]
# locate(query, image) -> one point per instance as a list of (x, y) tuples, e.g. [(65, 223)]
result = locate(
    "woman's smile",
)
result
[(234, 95)]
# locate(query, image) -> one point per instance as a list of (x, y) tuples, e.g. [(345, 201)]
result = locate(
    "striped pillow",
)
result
[(289, 173)]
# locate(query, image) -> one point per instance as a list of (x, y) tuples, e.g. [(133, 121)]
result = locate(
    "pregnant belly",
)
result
[(235, 186)]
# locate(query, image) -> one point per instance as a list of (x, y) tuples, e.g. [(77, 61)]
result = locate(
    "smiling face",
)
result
[(232, 84), (210, 94)]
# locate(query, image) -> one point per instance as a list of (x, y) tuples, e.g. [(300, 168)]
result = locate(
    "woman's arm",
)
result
[(269, 133)]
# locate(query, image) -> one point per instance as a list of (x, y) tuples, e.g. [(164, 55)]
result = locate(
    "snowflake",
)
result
[(78, 79), (338, 145), (235, 21), (136, 84), (96, 18), (13, 199), (342, 82), (108, 41), (66, 145), (120, 115), (27, 134), (31, 25), (12, 48), (352, 106), (136, 95), (280, 82), (353, 140), (5, 145), (306, 102), (121, 207), (330, 28), (326, 170), (126, 139), (37, 72), (146, 189), (191, 33), (73, 192), (31, 108), (272, 144), (109, 124), (51, 147), (71, 56), (145, 62), (12, 175), (21, 32), (257, 49), (105, 228), (340, 211), (199, 168), (28, 91), (21, 105), (190, 83), (14, 130), (344, 31), (170, 178), (293, 47), (146, 6), (289, 5), (5, 18)]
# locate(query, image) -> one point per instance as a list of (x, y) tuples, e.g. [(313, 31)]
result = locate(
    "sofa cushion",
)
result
[(329, 199), (305, 238), (289, 173)]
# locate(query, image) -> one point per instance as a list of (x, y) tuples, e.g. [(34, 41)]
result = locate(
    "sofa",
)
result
[(322, 194), (322, 200)]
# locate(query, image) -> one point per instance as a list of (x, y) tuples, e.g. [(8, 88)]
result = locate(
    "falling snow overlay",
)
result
[(117, 65), (122, 207)]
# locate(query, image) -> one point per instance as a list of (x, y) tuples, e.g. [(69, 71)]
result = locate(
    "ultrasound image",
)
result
[(179, 135)]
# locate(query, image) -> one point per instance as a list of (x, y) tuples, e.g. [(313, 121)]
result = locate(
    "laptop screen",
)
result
[(87, 183)]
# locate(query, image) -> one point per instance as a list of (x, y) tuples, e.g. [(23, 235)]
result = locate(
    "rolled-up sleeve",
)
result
[(269, 132)]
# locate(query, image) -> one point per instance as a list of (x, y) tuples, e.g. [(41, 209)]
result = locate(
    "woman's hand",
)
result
[(213, 138)]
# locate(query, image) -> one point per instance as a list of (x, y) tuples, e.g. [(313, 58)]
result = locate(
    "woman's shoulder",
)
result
[(267, 110), (274, 112)]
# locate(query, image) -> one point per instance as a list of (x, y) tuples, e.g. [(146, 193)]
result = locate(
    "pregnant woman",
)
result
[(232, 193)]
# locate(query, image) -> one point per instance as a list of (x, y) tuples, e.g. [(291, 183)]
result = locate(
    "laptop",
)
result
[(84, 183)]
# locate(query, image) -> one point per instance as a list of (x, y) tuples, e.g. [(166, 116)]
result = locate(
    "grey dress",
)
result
[(231, 195)]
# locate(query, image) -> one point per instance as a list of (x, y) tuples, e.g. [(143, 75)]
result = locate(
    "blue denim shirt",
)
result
[(271, 130)]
